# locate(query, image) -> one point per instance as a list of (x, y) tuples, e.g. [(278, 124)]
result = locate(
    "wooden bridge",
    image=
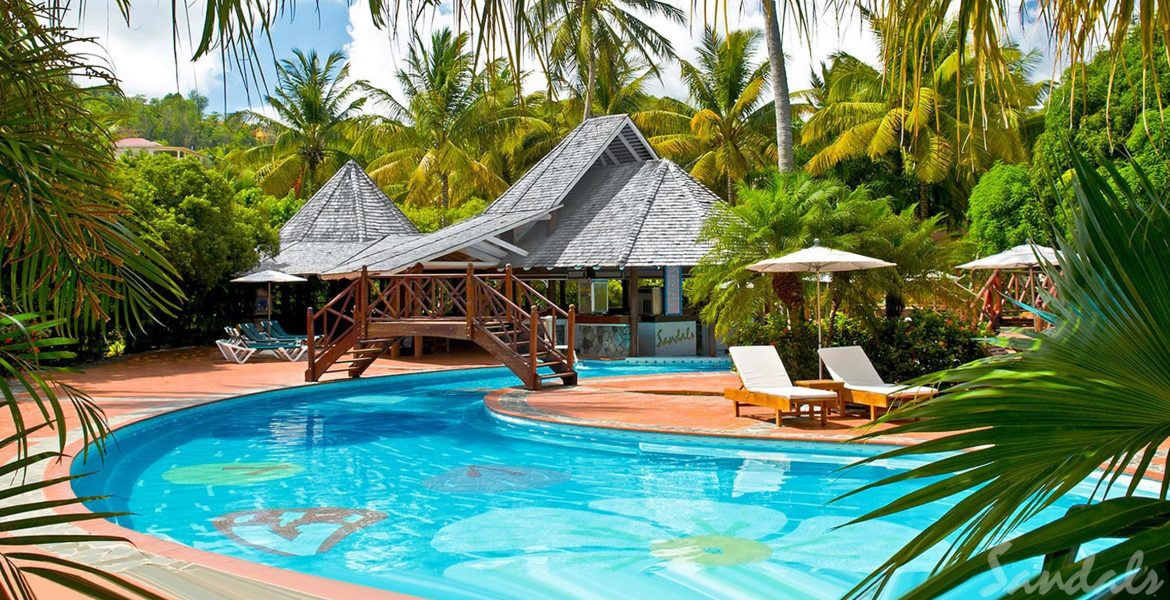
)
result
[(373, 315)]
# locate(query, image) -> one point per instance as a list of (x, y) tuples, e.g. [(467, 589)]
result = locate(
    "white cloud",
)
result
[(376, 55), (142, 53)]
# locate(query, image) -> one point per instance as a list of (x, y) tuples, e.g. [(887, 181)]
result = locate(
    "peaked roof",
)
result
[(391, 255), (348, 208), (645, 214), (610, 139)]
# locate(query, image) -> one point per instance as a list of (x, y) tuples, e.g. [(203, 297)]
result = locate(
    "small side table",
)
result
[(830, 385)]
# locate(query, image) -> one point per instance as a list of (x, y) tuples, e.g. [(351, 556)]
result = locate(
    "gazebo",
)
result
[(601, 207), (1015, 274)]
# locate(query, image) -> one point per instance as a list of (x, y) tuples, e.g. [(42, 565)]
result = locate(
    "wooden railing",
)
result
[(489, 303), (332, 321)]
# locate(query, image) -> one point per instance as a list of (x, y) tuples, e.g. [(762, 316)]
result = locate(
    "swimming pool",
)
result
[(407, 483)]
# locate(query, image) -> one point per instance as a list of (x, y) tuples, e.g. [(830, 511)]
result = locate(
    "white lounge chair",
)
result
[(234, 352), (766, 383), (863, 384)]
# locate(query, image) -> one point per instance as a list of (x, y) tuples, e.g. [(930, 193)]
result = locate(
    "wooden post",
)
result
[(310, 348), (635, 308), (418, 339), (533, 348), (508, 292), (361, 307), (571, 334), (471, 309)]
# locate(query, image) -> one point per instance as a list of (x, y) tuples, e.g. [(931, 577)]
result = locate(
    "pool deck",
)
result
[(147, 385)]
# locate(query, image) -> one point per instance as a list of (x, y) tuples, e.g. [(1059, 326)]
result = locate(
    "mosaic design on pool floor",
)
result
[(231, 473), (488, 479), (295, 531), (687, 546)]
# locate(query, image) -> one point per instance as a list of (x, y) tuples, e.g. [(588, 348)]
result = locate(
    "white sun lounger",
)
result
[(766, 383), (863, 384)]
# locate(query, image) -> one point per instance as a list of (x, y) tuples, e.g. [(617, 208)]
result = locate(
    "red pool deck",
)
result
[(151, 384)]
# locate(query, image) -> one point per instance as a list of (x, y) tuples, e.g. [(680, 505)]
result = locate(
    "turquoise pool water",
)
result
[(407, 483)]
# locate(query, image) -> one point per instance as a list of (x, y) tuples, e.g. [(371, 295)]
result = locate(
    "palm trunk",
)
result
[(790, 292), (782, 103), (590, 83), (445, 195), (923, 201)]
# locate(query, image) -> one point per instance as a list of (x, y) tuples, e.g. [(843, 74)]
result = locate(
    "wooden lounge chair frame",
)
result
[(780, 403), (874, 400)]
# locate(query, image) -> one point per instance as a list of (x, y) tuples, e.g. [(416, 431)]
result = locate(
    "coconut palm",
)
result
[(315, 107), (934, 133), (1088, 400), (787, 214), (726, 136), (74, 260), (576, 32), (442, 145)]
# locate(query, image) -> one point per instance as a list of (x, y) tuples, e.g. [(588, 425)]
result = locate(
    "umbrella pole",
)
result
[(269, 300), (820, 366)]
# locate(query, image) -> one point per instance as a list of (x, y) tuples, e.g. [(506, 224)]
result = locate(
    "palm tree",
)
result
[(791, 211), (312, 131), (935, 133), (725, 137), (1087, 401), (442, 145), (74, 261), (575, 32)]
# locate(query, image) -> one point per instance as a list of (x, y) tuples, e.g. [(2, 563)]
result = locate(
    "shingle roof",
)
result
[(552, 177), (392, 255), (644, 214), (348, 208)]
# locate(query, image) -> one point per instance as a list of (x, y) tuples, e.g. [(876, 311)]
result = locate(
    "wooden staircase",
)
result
[(371, 316)]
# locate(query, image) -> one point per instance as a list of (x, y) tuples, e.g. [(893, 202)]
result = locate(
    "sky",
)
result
[(142, 53)]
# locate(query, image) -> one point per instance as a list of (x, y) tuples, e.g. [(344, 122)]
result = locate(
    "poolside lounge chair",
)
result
[(863, 384), (766, 383), (275, 331), (234, 352), (290, 351)]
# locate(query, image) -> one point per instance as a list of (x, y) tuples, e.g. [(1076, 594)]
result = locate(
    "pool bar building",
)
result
[(601, 207)]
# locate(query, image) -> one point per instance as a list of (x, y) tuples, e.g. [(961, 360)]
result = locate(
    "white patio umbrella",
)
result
[(270, 277), (818, 259), (1020, 257)]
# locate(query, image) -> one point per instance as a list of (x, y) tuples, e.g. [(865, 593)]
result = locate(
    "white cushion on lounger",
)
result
[(851, 365), (759, 367), (796, 393), (897, 391)]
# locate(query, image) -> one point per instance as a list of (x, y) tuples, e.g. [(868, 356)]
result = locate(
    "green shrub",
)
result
[(923, 342), (1005, 211), (797, 345)]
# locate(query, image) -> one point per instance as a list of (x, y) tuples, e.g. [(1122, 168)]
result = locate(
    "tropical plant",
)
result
[(1103, 108), (174, 120), (791, 212), (313, 127), (576, 32), (443, 145), (726, 135), (211, 235), (934, 130), (1004, 211), (72, 260), (1087, 401)]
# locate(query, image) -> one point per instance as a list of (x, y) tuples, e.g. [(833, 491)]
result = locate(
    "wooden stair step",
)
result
[(555, 375)]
